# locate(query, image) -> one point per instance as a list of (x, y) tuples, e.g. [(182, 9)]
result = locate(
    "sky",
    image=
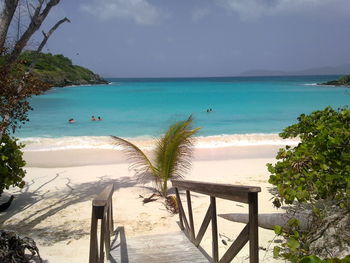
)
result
[(200, 38)]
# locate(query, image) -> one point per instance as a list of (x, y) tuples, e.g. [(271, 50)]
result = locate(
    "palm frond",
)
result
[(174, 150), (140, 162)]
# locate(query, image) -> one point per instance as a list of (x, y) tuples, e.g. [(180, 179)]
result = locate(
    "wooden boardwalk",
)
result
[(164, 248)]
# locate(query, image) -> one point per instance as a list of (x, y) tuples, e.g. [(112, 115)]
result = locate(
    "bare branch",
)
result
[(43, 42), (28, 9), (36, 21)]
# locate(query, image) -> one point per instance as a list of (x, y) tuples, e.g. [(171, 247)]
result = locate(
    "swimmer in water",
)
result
[(99, 118), (71, 120), (93, 118)]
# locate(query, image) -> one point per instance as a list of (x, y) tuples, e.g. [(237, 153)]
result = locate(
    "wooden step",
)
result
[(171, 247)]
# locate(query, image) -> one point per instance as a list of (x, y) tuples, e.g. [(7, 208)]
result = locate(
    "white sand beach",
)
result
[(54, 208)]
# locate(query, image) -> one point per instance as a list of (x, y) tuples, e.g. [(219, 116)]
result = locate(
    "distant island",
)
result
[(328, 70), (58, 70), (342, 81)]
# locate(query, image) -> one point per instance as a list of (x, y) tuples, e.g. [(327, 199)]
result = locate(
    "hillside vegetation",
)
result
[(343, 81), (58, 70)]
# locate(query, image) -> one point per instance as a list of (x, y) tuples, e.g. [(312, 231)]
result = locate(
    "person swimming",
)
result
[(71, 120), (99, 118), (93, 118)]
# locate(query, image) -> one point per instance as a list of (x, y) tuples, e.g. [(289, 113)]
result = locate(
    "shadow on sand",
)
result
[(26, 199)]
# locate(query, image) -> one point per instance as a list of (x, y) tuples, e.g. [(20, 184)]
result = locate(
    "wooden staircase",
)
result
[(181, 246)]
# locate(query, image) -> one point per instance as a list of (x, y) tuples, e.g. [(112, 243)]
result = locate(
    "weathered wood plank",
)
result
[(104, 196), (182, 213), (101, 210), (178, 200), (214, 230), (190, 215), (203, 227), (102, 239), (93, 239), (253, 228), (102, 201), (236, 246), (163, 248), (215, 187), (225, 191)]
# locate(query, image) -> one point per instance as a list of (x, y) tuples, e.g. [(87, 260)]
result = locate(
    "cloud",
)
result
[(200, 13), (140, 11), (254, 9)]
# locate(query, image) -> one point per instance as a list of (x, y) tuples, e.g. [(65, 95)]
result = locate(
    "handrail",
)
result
[(102, 209), (243, 194)]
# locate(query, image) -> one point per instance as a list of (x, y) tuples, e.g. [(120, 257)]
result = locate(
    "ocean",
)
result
[(252, 109)]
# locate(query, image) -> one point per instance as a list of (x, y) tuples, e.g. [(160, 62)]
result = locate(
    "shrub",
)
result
[(11, 163), (315, 175), (319, 166)]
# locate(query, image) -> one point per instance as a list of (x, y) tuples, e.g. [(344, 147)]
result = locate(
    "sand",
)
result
[(54, 208)]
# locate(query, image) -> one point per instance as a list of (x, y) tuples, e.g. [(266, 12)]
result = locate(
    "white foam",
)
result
[(148, 143), (250, 139), (311, 84), (68, 143)]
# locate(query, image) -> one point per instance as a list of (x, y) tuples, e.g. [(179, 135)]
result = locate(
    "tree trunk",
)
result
[(37, 19), (5, 20), (268, 221)]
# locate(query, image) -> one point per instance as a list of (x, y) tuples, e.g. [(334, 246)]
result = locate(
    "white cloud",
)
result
[(199, 13), (254, 9), (140, 11)]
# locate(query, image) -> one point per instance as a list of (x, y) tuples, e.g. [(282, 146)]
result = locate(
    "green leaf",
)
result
[(277, 229), (276, 252), (293, 244), (293, 222)]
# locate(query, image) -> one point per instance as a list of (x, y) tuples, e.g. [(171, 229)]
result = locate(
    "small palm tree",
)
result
[(172, 157)]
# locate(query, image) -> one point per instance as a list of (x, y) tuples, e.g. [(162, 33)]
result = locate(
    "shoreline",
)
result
[(37, 144), (101, 150), (87, 157)]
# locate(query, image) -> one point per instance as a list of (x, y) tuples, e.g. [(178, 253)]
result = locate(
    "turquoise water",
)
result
[(145, 107)]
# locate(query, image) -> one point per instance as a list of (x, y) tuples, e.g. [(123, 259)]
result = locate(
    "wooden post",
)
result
[(214, 229), (102, 210), (93, 257), (190, 215), (108, 232), (253, 228), (102, 240), (179, 204), (237, 193), (111, 228)]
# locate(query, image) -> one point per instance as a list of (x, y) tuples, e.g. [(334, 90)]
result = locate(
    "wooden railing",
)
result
[(243, 194), (101, 210)]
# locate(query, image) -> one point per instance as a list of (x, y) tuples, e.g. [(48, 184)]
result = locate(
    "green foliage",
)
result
[(294, 246), (58, 70), (11, 163), (319, 167), (172, 155), (314, 259), (342, 81), (14, 248)]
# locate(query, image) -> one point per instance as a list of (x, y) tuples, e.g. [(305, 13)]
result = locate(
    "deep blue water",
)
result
[(141, 107)]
